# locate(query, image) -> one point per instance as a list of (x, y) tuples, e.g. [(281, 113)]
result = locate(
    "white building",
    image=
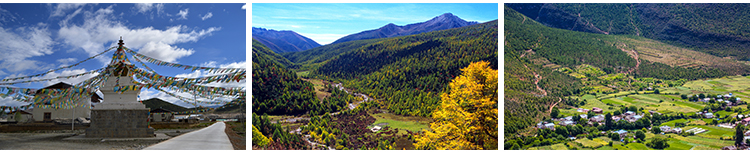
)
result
[(40, 113)]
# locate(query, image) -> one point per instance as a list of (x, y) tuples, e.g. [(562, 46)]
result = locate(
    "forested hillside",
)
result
[(718, 29), (408, 72), (276, 89)]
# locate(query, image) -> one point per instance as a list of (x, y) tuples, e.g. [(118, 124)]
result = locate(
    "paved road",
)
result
[(209, 138)]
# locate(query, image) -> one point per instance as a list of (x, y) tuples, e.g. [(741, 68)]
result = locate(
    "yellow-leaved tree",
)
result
[(467, 116), (259, 139)]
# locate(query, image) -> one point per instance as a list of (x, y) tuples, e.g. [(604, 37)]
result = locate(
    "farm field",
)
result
[(558, 146)]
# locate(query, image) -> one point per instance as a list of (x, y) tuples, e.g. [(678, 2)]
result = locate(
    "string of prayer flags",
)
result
[(186, 67), (59, 77), (53, 70)]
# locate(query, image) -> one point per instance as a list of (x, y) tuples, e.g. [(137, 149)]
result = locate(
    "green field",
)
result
[(303, 73), (671, 123), (558, 146), (637, 146), (411, 123), (667, 104), (595, 143)]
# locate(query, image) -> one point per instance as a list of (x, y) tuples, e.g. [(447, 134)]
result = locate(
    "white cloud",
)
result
[(209, 15), (100, 31), (66, 60), (144, 7), (8, 101), (183, 14), (244, 7), (62, 7), (6, 16), (16, 45)]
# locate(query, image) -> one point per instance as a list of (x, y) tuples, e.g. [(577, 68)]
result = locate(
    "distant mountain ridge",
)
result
[(442, 22), (283, 41), (155, 103)]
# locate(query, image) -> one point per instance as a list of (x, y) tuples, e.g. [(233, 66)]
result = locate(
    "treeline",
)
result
[(280, 138), (666, 72), (276, 89), (408, 72)]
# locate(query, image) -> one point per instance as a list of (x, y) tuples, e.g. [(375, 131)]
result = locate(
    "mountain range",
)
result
[(283, 41), (442, 22)]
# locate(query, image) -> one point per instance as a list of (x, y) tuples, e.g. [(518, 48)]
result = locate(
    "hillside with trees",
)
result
[(276, 89), (408, 72), (717, 29)]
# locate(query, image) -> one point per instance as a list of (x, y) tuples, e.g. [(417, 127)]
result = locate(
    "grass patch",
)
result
[(605, 148), (675, 144), (303, 73), (558, 146), (411, 123), (595, 143), (637, 146), (671, 123), (619, 147)]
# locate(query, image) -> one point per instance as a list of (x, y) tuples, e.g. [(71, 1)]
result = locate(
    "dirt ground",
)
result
[(53, 141)]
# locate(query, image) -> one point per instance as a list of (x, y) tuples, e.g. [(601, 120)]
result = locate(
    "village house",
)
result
[(597, 110), (42, 113), (746, 120), (709, 115), (597, 118), (584, 116), (616, 118), (628, 113), (677, 130), (665, 129), (566, 123), (550, 126), (621, 132), (569, 118), (634, 118), (161, 115), (20, 116), (583, 110)]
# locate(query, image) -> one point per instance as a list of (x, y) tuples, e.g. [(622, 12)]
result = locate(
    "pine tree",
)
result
[(467, 115)]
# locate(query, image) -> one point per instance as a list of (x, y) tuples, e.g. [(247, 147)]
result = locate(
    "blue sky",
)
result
[(35, 38), (325, 23)]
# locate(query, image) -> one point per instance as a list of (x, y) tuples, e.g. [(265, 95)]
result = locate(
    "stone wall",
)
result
[(119, 124)]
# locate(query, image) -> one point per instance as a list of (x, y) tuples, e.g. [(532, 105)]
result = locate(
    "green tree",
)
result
[(658, 143), (655, 130), (640, 135), (467, 115), (739, 135), (555, 112), (656, 91)]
